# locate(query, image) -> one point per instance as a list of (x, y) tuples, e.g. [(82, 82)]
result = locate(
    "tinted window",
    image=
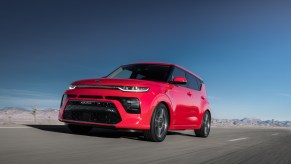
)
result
[(152, 72), (200, 82), (122, 73), (177, 72), (192, 82)]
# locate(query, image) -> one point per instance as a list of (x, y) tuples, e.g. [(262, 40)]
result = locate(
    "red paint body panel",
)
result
[(186, 106)]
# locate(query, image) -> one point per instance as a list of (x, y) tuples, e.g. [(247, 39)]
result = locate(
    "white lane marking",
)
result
[(275, 134), (237, 139), (14, 127)]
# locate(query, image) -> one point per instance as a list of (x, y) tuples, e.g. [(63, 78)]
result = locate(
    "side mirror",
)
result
[(179, 80)]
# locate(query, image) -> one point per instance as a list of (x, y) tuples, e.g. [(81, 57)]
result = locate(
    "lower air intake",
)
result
[(92, 111)]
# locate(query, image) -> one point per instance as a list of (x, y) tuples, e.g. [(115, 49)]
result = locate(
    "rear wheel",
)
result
[(205, 127), (79, 129), (159, 124)]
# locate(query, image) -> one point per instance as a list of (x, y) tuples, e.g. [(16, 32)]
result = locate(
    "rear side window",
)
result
[(192, 82), (200, 82)]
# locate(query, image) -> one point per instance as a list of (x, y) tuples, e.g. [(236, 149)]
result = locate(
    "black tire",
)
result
[(79, 129), (205, 127), (159, 124)]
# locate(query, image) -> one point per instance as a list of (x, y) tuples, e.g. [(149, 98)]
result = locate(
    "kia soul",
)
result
[(148, 97)]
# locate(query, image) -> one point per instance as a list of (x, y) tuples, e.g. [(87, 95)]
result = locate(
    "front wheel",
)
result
[(205, 127), (159, 124)]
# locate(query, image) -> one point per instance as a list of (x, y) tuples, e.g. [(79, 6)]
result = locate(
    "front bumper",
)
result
[(103, 112)]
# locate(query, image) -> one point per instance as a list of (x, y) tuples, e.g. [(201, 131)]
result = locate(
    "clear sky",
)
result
[(242, 49)]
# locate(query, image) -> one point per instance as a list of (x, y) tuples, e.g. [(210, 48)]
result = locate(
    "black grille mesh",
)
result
[(92, 111)]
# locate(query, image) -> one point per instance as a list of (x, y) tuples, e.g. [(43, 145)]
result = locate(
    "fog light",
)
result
[(131, 105)]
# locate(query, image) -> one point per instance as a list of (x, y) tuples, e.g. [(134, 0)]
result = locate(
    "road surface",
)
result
[(41, 144)]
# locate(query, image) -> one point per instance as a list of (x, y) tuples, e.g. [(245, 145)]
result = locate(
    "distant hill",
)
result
[(17, 115), (13, 108), (250, 122), (25, 110)]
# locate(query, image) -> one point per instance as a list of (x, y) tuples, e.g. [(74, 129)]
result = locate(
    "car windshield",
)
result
[(152, 72)]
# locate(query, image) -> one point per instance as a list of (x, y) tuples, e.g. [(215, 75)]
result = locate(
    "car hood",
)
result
[(116, 82)]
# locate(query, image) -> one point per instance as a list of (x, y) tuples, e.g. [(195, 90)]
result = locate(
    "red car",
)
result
[(152, 97)]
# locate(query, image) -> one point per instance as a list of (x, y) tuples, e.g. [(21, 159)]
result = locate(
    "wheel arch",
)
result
[(202, 115), (168, 109), (164, 99), (207, 110)]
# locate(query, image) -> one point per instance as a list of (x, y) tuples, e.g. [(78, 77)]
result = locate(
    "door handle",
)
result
[(189, 93), (202, 97)]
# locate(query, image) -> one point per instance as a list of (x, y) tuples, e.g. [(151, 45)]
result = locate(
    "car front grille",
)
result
[(92, 111)]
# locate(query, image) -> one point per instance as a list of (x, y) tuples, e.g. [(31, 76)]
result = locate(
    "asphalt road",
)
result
[(41, 144)]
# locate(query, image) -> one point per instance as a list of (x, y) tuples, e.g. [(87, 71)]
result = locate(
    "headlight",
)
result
[(133, 89), (72, 86)]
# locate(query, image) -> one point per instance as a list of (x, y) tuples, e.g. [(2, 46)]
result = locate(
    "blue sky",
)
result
[(242, 49)]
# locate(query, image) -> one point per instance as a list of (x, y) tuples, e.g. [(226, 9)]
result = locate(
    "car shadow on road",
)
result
[(95, 132), (180, 133), (102, 132)]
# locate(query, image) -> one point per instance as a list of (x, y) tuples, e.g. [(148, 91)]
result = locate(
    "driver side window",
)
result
[(177, 72)]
